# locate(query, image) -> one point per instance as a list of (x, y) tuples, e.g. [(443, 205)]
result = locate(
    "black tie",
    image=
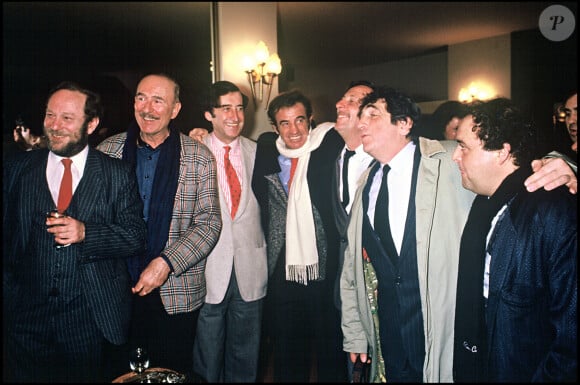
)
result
[(382, 226), (345, 195)]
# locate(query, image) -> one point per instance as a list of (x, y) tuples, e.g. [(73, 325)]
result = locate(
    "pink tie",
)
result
[(233, 182), (65, 192)]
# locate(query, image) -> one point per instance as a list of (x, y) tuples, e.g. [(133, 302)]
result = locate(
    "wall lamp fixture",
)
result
[(262, 69)]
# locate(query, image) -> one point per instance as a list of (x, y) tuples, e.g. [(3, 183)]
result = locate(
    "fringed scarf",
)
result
[(301, 250), (470, 350), (162, 195)]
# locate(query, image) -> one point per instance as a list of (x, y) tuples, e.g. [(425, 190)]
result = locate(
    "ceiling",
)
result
[(45, 41), (347, 34), (311, 34), (111, 36)]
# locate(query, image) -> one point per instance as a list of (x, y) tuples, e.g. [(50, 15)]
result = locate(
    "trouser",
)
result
[(167, 338), (227, 344)]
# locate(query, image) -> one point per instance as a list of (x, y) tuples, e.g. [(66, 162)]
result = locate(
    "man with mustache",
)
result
[(177, 180)]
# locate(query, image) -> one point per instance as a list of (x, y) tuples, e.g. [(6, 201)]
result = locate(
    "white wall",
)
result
[(486, 60), (429, 79), (241, 26), (423, 77)]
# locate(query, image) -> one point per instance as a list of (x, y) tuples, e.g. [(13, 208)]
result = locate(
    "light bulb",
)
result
[(274, 65), (262, 52)]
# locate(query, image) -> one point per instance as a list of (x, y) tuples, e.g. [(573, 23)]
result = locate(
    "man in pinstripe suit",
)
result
[(64, 304), (177, 180)]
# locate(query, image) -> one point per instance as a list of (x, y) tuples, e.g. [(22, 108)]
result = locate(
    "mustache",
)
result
[(50, 131), (144, 115)]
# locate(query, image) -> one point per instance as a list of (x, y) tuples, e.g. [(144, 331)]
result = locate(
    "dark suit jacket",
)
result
[(531, 315), (107, 201), (341, 221), (273, 207), (288, 304)]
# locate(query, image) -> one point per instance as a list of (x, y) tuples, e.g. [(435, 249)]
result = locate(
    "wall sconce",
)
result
[(475, 91), (262, 68)]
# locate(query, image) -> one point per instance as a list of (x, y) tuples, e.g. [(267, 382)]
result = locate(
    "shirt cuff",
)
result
[(167, 261)]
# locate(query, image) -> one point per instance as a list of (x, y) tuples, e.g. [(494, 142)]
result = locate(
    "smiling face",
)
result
[(65, 127), (227, 119), (293, 125), (347, 110), (155, 106)]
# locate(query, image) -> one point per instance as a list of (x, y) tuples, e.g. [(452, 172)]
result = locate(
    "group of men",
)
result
[(188, 250)]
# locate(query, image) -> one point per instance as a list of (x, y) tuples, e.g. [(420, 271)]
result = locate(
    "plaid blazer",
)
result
[(195, 224)]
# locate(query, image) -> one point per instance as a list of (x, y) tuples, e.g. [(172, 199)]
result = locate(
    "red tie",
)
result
[(65, 192), (233, 182), (293, 163)]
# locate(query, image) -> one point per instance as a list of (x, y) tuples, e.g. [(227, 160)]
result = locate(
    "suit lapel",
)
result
[(86, 196), (34, 202), (248, 158), (340, 215)]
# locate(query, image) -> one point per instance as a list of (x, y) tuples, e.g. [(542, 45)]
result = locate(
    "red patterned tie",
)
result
[(293, 163), (233, 182), (65, 192)]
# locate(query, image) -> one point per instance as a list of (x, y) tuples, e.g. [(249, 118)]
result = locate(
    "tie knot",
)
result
[(227, 148), (348, 154), (66, 162), (386, 169)]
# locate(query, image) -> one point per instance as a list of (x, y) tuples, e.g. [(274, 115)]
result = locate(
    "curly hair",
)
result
[(500, 121)]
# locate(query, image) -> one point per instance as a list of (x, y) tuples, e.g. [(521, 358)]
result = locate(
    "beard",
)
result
[(72, 147)]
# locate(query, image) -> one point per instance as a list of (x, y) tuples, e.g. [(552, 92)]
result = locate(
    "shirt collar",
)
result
[(218, 144), (404, 159), (79, 160)]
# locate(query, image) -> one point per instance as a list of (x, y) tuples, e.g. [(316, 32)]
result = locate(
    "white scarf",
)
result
[(301, 251)]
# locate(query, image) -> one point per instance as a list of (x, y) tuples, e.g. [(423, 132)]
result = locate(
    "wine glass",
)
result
[(139, 360), (54, 213)]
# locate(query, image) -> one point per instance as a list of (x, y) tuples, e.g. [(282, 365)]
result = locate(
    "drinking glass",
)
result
[(54, 213), (139, 360)]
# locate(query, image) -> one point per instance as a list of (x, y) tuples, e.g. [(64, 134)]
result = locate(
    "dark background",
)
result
[(107, 47)]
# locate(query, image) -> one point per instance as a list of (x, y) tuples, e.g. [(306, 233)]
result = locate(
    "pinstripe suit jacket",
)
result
[(195, 223), (441, 208), (241, 244), (107, 202)]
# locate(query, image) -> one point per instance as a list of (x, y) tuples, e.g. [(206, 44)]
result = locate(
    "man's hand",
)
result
[(198, 134), (363, 357), (66, 230), (550, 173), (154, 275)]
